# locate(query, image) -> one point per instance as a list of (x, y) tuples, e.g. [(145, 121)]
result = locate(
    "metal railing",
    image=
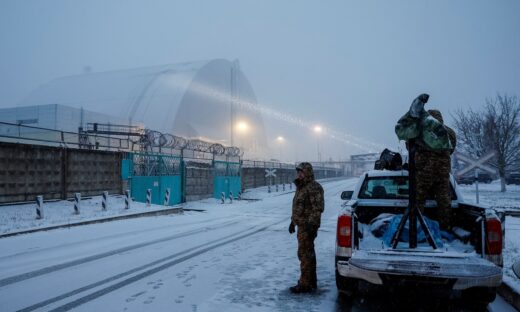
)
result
[(17, 133), (266, 164)]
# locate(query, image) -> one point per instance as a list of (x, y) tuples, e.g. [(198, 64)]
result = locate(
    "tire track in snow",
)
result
[(184, 255), (53, 268), (113, 236)]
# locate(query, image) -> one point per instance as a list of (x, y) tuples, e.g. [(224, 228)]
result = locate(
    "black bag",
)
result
[(389, 160)]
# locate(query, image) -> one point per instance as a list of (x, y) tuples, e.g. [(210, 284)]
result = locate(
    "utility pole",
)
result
[(234, 97), (319, 154)]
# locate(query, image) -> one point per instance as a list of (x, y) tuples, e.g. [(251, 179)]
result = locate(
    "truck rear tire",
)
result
[(346, 285), (479, 297)]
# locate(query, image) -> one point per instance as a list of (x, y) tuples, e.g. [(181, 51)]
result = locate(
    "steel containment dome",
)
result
[(212, 100)]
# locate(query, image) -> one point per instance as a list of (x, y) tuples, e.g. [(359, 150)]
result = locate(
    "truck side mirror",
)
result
[(347, 195)]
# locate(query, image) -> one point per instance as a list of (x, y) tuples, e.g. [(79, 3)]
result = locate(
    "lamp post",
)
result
[(242, 128), (280, 139), (318, 130)]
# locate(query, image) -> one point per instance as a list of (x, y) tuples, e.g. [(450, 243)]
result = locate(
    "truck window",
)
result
[(388, 188)]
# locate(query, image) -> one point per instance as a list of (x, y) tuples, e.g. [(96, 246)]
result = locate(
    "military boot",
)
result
[(299, 289)]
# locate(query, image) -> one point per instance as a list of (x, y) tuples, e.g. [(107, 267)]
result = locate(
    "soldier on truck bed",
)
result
[(433, 176)]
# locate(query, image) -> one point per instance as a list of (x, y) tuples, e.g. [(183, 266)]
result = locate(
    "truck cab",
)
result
[(470, 264)]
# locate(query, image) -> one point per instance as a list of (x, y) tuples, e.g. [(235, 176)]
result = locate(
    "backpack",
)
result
[(389, 160)]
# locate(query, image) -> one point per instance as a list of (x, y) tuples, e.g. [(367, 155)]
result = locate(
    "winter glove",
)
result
[(291, 228)]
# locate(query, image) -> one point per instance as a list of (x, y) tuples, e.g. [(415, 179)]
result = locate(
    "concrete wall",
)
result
[(29, 170), (255, 177), (57, 173), (198, 182)]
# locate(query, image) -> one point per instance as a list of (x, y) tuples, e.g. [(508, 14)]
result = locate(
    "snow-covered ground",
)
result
[(232, 257), (15, 218), (489, 194)]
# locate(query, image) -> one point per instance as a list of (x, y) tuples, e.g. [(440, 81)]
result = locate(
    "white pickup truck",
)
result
[(471, 266)]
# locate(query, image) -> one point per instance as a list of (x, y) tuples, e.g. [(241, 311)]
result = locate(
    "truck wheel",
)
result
[(479, 297), (346, 285)]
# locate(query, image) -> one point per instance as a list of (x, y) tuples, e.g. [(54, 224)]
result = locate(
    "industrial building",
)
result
[(210, 100)]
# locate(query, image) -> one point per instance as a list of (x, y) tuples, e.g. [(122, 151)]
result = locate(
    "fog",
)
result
[(353, 68)]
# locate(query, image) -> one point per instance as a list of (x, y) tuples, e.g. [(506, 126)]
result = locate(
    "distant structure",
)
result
[(209, 100), (56, 117), (362, 162)]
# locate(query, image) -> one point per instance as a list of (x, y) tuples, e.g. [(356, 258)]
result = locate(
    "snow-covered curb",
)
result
[(155, 212)]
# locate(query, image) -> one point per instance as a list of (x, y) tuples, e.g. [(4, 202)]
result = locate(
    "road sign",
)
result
[(270, 173), (472, 163)]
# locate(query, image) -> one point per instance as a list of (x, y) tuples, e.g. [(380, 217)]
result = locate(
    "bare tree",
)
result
[(502, 131), (496, 128), (470, 133)]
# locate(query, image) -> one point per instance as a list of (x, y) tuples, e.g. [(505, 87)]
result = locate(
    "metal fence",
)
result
[(266, 164), (279, 165), (145, 164), (16, 133)]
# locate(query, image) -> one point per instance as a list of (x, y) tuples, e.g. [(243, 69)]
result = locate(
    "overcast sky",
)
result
[(351, 65)]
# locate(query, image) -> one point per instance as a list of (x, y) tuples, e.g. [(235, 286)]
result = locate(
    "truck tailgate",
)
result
[(464, 270)]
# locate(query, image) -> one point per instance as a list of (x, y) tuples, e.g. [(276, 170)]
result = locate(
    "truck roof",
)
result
[(387, 173)]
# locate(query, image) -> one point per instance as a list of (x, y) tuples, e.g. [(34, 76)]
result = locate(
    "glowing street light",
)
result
[(318, 129), (280, 139), (242, 126)]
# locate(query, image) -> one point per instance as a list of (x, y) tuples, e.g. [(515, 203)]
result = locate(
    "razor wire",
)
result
[(153, 139)]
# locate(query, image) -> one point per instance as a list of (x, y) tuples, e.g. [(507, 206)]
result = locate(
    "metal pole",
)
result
[(476, 185), (77, 202), (232, 104), (39, 207), (167, 197), (318, 144), (412, 198), (148, 197), (127, 199), (104, 201)]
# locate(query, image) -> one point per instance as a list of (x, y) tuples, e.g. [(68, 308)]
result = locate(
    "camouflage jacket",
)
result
[(308, 201), (451, 134)]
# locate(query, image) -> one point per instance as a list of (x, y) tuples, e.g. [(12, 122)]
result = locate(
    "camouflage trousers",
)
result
[(432, 177), (307, 257)]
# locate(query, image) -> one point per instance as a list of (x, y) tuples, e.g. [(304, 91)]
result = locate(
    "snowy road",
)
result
[(231, 258)]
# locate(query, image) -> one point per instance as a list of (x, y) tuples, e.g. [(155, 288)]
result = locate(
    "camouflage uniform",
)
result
[(308, 204), (433, 177)]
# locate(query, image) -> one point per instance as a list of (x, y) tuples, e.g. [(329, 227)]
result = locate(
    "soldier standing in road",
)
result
[(307, 207), (433, 176)]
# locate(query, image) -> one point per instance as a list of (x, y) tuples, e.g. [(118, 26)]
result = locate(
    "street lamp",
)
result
[(242, 126), (280, 139), (318, 129)]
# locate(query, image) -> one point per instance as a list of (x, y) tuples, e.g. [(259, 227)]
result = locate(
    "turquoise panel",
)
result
[(226, 184), (141, 183), (158, 185), (126, 168), (175, 185)]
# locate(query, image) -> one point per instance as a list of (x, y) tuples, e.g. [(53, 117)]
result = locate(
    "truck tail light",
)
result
[(344, 231), (494, 236)]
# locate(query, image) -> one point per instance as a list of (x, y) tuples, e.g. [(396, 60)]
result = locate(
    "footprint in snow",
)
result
[(149, 300), (134, 296)]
